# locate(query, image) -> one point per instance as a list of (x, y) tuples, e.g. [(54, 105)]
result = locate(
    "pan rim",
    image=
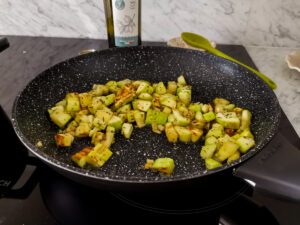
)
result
[(139, 179)]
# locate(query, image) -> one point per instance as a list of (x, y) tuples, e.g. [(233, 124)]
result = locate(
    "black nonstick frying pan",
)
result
[(210, 77)]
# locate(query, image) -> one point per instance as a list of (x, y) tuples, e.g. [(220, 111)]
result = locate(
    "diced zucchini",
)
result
[(139, 118), (233, 157), (124, 109), (95, 105), (196, 134), (246, 119), (196, 107), (164, 165), (211, 163), (228, 120), (227, 149), (171, 133), (59, 116), (247, 133), (102, 117), (85, 99), (130, 116), (127, 129), (97, 137), (115, 122), (184, 133), (82, 130), (145, 96), (141, 105), (185, 96), (171, 119), (211, 140), (210, 116), (168, 100), (222, 140), (62, 103), (98, 158), (245, 143), (143, 88), (220, 101), (109, 136), (160, 88), (216, 132), (199, 117), (108, 100), (112, 86), (179, 119), (64, 140), (73, 102), (80, 158), (99, 90), (172, 87), (122, 83), (207, 151), (205, 108), (181, 80), (157, 117), (167, 110), (126, 95)]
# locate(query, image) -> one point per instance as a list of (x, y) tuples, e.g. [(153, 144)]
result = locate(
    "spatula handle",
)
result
[(262, 76)]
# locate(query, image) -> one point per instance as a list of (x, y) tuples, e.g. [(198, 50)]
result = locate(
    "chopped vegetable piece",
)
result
[(207, 151), (73, 102), (171, 133), (227, 149), (141, 105), (196, 134), (83, 130), (99, 157), (246, 119), (80, 157), (59, 116), (184, 133), (228, 120), (172, 87), (211, 163), (211, 140), (85, 99), (64, 140), (127, 129), (115, 122), (108, 100), (245, 143), (181, 80), (139, 118), (233, 157), (160, 88), (179, 119), (109, 136), (164, 165), (209, 116)]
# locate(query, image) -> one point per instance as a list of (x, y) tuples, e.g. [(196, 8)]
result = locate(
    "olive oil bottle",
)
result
[(123, 20)]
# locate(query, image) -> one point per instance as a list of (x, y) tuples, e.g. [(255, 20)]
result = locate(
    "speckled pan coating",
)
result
[(209, 75)]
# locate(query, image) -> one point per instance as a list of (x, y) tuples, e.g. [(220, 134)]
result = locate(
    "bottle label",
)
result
[(125, 14)]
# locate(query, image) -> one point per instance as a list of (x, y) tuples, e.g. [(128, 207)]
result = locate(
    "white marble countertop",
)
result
[(271, 62)]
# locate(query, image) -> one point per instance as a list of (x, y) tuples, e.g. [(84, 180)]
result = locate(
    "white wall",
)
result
[(248, 22)]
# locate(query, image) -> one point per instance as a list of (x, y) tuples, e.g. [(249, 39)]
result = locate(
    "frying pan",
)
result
[(210, 77)]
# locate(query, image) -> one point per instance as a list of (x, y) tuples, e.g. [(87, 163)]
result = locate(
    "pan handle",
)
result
[(275, 170), (3, 44), (14, 163)]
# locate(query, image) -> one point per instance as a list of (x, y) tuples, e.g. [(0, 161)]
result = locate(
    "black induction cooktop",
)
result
[(41, 196)]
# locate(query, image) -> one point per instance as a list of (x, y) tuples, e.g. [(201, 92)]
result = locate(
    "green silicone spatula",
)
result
[(198, 41)]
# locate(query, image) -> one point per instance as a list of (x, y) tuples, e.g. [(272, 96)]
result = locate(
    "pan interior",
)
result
[(209, 75)]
